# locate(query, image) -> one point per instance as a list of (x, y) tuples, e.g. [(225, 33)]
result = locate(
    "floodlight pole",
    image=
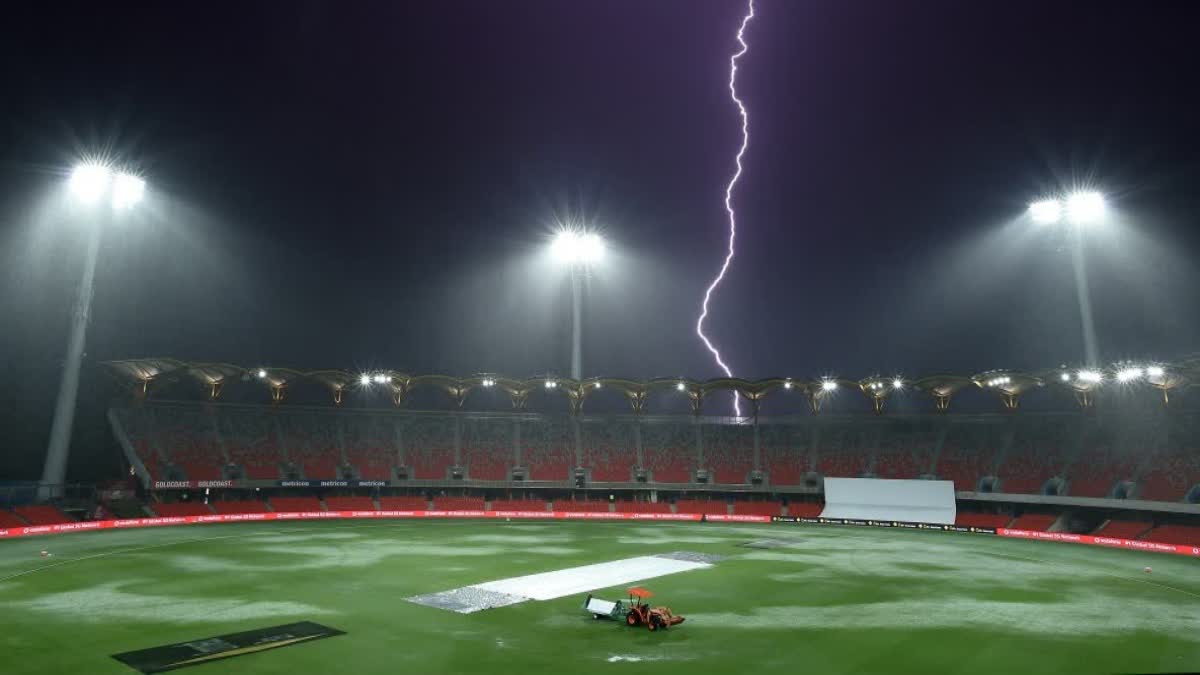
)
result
[(55, 470), (1082, 291), (576, 322)]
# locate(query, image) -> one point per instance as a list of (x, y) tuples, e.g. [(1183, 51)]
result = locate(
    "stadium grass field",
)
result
[(832, 600)]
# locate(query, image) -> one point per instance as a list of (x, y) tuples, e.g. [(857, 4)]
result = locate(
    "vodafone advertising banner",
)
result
[(33, 530)]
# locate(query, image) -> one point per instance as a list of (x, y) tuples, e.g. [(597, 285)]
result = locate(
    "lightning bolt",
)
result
[(737, 408)]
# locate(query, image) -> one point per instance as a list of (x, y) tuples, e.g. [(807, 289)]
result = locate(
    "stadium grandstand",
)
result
[(1110, 459)]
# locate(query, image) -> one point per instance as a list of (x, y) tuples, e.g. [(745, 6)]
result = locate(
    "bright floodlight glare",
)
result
[(1085, 207), (787, 385), (89, 181), (897, 383), (1066, 377), (1046, 211), (596, 384), (574, 248), (261, 373), (828, 385), (550, 384), (1128, 374), (364, 380), (127, 190), (1155, 371), (1089, 376), (680, 386)]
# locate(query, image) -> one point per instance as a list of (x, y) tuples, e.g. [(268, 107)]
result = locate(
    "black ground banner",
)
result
[(204, 650)]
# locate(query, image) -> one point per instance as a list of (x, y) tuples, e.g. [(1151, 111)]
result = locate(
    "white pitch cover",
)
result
[(914, 501)]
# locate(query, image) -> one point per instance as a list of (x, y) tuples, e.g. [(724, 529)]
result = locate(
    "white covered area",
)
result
[(560, 583), (914, 501)]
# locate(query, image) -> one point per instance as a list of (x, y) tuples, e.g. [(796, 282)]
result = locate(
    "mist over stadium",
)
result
[(529, 336)]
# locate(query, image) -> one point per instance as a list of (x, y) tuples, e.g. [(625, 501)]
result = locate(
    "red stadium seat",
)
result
[(350, 503), (1123, 529), (295, 504), (403, 504), (1039, 522), (43, 514), (518, 505), (1174, 534), (643, 507), (990, 520), (744, 508), (580, 506), (1096, 470), (239, 506), (705, 506), (9, 519), (610, 464), (431, 463), (458, 503), (805, 509), (372, 463), (178, 509)]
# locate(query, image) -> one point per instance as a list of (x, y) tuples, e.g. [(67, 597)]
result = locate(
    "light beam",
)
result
[(737, 174)]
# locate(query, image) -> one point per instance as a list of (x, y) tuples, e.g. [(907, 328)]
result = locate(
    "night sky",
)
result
[(373, 184)]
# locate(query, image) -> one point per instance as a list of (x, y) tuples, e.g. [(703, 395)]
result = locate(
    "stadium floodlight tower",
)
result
[(1080, 210), (104, 192), (579, 251)]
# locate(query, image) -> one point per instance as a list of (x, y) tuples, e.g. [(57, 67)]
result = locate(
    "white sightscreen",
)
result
[(915, 501)]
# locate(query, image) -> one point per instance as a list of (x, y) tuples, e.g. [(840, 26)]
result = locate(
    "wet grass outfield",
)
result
[(820, 599)]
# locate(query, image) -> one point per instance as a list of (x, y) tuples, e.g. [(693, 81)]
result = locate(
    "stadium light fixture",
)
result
[(550, 384), (897, 383), (1155, 371), (579, 250), (828, 385), (364, 380), (1085, 207), (787, 384), (1129, 374), (679, 386), (88, 183), (574, 247), (487, 382), (262, 374), (596, 384), (1065, 377), (1089, 376), (1046, 211), (92, 181), (1080, 208)]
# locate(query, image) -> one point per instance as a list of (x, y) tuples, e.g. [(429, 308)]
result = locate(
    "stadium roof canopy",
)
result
[(1009, 385)]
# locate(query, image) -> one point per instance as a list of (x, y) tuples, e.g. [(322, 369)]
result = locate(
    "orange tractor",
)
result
[(634, 612)]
